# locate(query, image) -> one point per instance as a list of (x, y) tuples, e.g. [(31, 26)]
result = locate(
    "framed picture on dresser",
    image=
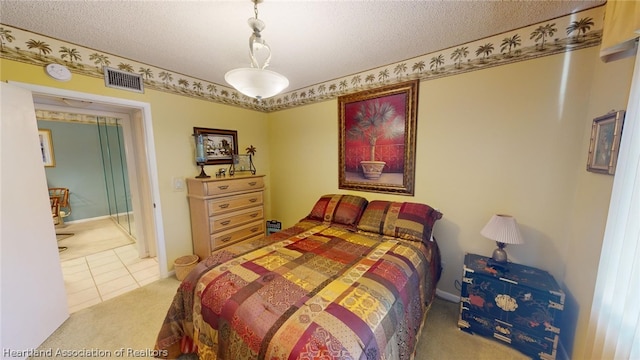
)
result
[(219, 145)]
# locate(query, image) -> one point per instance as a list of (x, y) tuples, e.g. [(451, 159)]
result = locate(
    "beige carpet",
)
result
[(90, 237), (131, 321)]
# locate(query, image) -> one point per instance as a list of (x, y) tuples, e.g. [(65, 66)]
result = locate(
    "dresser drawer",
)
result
[(230, 220), (233, 203), (537, 347), (223, 187), (228, 237)]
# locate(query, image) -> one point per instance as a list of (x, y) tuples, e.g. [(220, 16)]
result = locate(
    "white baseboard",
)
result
[(447, 296)]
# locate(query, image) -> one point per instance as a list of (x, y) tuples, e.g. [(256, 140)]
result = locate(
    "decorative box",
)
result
[(516, 304)]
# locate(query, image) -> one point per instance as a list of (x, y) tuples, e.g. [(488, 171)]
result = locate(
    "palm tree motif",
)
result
[(370, 79), (294, 96), (184, 83), (99, 59), (42, 47), (146, 73), (383, 75), (435, 62), (5, 35), (311, 92), (332, 87), (234, 95), (322, 89), (581, 26), (125, 67), (343, 85), (356, 80), (166, 76), (197, 86), (212, 89), (400, 69), (375, 120), (458, 54), (286, 98), (542, 32), (485, 49), (509, 43), (224, 93), (72, 54), (420, 65)]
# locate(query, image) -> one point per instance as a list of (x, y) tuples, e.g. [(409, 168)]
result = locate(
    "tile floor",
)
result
[(98, 277)]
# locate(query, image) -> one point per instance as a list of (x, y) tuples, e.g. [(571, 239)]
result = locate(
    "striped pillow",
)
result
[(404, 220), (339, 209)]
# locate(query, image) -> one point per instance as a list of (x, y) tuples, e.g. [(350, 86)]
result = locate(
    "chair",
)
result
[(62, 194), (55, 214)]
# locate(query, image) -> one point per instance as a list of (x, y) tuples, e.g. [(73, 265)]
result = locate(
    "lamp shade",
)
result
[(503, 229), (256, 83)]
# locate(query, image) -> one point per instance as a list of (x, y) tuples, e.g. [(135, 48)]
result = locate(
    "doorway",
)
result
[(137, 136)]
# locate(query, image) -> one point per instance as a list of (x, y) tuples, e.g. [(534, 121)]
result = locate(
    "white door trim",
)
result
[(144, 111)]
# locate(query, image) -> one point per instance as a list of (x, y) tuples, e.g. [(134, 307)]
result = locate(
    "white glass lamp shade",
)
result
[(256, 83), (504, 229)]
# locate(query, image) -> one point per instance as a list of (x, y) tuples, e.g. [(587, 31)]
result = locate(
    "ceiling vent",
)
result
[(124, 80)]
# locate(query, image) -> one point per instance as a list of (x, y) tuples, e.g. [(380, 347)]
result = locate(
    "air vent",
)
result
[(118, 79)]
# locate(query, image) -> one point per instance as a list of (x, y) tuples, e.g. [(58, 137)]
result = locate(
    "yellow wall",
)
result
[(173, 117), (511, 139)]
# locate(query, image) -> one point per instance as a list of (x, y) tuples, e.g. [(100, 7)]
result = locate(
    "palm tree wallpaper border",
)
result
[(377, 139), (581, 30)]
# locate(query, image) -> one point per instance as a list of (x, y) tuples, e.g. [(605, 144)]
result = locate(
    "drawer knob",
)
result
[(223, 206), (253, 200), (226, 239), (253, 183), (254, 215), (226, 222), (254, 229), (223, 187)]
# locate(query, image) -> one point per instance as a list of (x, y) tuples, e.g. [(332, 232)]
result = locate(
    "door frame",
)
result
[(145, 159)]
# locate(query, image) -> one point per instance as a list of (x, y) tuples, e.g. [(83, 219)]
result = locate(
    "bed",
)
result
[(352, 280)]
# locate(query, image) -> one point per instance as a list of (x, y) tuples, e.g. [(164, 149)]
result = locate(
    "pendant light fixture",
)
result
[(256, 81)]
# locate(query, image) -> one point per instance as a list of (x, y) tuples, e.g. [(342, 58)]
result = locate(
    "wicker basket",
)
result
[(184, 265)]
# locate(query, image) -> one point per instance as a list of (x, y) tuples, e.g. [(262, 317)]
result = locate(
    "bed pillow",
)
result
[(339, 209), (404, 220)]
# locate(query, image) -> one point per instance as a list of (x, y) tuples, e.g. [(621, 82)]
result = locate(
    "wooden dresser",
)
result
[(225, 211)]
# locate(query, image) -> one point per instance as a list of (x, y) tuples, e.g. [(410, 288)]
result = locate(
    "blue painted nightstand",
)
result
[(519, 305)]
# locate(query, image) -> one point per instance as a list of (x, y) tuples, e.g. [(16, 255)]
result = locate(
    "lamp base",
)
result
[(499, 255), (202, 173)]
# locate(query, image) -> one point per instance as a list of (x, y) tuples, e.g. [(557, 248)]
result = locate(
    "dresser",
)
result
[(516, 304), (225, 211)]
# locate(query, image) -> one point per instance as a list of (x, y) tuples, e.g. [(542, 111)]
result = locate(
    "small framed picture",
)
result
[(219, 145), (605, 142), (46, 147)]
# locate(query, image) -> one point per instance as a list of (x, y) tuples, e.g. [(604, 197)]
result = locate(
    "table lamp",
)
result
[(503, 229)]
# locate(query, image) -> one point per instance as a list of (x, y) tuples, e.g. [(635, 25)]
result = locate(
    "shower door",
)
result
[(115, 172)]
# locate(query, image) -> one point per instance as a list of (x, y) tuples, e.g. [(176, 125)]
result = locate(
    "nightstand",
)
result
[(519, 305)]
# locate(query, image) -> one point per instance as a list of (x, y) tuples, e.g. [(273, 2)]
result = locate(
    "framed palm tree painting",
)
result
[(377, 139)]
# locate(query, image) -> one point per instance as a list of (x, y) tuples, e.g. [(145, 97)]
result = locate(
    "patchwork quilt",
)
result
[(312, 291)]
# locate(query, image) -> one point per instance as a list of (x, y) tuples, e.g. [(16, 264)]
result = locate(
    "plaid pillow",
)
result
[(404, 220), (340, 209)]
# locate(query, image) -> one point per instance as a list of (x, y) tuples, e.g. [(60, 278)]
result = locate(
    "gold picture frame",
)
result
[(605, 142), (377, 139), (46, 148)]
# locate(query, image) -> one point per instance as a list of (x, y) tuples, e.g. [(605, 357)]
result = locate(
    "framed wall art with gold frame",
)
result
[(377, 139), (605, 142), (46, 147)]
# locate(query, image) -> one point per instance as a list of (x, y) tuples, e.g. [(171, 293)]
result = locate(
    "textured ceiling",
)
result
[(311, 41)]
